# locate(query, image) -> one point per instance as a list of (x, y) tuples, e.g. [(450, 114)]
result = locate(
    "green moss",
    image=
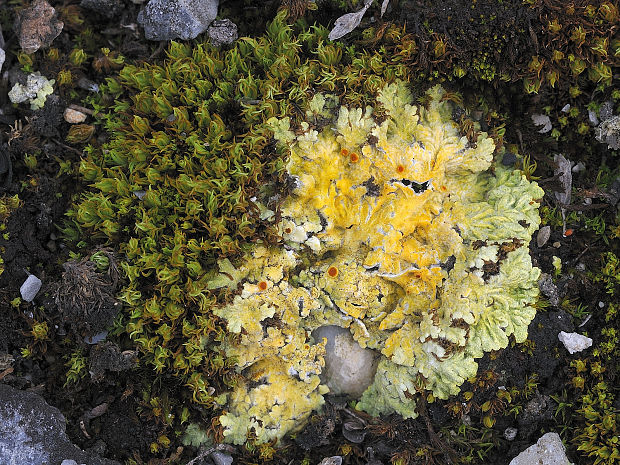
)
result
[(587, 411), (76, 364), (7, 206), (596, 419)]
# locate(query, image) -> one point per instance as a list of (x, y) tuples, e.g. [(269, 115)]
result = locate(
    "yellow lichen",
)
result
[(388, 232)]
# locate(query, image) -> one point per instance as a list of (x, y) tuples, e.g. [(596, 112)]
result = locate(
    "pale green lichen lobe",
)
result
[(35, 91)]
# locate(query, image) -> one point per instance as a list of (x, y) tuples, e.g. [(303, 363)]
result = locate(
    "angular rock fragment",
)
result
[(177, 19), (37, 26), (549, 450), (30, 288), (574, 342)]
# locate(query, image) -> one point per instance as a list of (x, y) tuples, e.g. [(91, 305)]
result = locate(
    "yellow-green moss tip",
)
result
[(399, 230)]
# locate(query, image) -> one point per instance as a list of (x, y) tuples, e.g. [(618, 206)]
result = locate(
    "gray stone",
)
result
[(33, 433), (579, 167), (549, 450), (30, 288), (354, 431), (69, 462), (106, 8), (177, 19), (574, 342), (346, 23), (222, 32), (544, 121), (349, 369)]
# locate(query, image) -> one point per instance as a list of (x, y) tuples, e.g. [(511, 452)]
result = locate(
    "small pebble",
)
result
[(543, 236), (574, 342), (601, 304), (557, 244), (566, 108), (544, 121), (73, 116), (510, 433), (30, 288), (548, 450)]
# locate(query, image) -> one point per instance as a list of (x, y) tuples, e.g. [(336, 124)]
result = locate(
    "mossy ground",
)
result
[(466, 429)]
